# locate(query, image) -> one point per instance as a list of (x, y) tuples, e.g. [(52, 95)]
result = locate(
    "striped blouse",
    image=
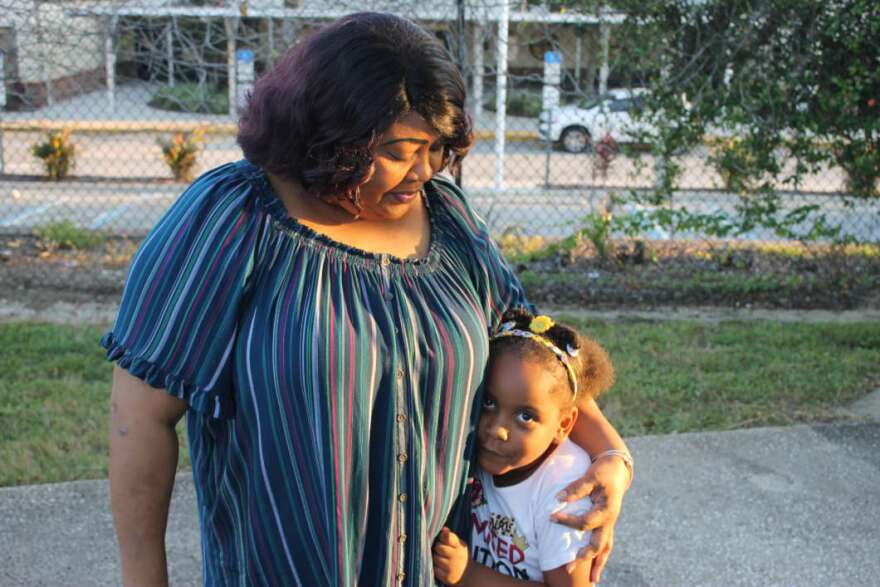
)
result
[(331, 390)]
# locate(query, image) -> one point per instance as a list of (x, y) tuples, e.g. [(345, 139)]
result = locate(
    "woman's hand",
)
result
[(605, 482), (451, 558)]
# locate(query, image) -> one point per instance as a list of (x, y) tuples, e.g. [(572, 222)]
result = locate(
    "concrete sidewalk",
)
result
[(772, 506)]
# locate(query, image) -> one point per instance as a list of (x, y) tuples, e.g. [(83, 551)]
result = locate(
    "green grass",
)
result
[(66, 235), (688, 376), (672, 377), (54, 398)]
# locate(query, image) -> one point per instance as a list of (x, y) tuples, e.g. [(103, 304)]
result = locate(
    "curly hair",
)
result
[(595, 373), (317, 115)]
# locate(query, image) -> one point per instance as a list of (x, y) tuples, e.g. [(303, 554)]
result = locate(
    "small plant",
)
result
[(516, 246), (597, 229), (180, 153), (734, 163), (66, 235), (606, 151), (57, 152)]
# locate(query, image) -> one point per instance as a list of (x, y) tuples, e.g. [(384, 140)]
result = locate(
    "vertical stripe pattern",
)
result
[(331, 389)]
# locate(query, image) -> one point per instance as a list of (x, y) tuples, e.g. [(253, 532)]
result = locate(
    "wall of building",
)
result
[(55, 56)]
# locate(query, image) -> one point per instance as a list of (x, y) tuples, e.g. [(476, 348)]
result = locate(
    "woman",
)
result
[(320, 313)]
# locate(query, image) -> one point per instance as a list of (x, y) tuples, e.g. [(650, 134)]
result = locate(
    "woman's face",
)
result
[(522, 414), (406, 156)]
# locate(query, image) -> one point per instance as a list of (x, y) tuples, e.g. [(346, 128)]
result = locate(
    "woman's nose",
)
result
[(422, 170)]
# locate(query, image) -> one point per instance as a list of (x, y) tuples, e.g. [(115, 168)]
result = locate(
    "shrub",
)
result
[(734, 163), (57, 152), (190, 97), (180, 153), (66, 235), (519, 103), (860, 161)]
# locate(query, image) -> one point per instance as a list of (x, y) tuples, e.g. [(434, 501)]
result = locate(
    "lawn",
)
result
[(671, 377)]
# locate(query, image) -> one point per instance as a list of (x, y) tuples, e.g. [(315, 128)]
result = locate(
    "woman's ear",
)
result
[(566, 423)]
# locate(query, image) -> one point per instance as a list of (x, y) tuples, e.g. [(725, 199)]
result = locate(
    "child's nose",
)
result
[(501, 433)]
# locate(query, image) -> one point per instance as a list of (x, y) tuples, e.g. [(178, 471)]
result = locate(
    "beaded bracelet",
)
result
[(624, 456)]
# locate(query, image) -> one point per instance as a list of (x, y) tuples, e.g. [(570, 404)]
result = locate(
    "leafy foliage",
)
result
[(774, 81), (57, 152), (180, 153), (192, 97), (66, 235)]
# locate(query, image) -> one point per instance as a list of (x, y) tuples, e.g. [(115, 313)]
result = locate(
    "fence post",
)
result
[(501, 93), (231, 26), (2, 101), (110, 60)]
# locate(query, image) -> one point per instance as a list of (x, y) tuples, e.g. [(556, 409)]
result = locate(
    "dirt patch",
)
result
[(639, 274), (651, 280)]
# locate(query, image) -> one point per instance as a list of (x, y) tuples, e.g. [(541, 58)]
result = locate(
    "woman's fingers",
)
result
[(601, 559), (594, 518), (576, 490)]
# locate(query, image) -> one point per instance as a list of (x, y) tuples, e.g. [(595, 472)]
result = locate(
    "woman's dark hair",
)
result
[(316, 116), (595, 373)]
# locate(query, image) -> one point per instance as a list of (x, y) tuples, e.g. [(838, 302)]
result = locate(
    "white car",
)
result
[(576, 126)]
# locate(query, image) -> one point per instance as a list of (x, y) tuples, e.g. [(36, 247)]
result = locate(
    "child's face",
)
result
[(521, 414)]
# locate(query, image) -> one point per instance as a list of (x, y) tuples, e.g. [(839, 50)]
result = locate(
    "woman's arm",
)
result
[(605, 482), (593, 432), (143, 461)]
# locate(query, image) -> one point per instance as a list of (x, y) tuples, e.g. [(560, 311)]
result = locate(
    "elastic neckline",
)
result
[(275, 207)]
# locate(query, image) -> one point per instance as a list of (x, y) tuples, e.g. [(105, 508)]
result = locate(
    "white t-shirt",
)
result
[(512, 530)]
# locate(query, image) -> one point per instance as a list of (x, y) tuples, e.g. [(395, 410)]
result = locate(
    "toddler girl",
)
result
[(537, 372)]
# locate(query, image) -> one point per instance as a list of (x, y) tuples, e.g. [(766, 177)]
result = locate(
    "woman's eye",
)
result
[(437, 147), (396, 157)]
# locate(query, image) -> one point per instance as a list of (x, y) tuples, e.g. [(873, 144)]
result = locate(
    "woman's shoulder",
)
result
[(459, 210), (231, 184)]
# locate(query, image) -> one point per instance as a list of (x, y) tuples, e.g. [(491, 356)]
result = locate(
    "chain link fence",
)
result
[(124, 101)]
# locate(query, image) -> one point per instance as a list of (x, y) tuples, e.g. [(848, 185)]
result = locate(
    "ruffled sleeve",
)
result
[(495, 281), (178, 318)]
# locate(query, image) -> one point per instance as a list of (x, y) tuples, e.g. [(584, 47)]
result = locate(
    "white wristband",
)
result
[(624, 456)]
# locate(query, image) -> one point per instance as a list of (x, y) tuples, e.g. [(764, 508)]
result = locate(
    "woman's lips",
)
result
[(402, 197)]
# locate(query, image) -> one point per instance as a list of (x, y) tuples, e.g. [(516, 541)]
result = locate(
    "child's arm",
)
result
[(575, 574), (454, 566)]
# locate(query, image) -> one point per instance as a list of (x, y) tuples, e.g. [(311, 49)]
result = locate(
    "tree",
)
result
[(794, 76)]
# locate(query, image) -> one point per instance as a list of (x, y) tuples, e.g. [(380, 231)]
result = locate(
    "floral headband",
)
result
[(538, 326)]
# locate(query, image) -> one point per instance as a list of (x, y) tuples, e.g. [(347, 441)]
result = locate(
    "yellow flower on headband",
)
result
[(540, 324)]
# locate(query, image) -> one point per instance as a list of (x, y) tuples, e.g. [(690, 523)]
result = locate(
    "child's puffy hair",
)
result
[(595, 373)]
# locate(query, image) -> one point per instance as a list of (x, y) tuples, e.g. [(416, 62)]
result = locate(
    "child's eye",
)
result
[(526, 417), (488, 403)]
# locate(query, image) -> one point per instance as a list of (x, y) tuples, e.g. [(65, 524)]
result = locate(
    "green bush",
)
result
[(57, 152), (519, 103), (190, 97), (66, 235)]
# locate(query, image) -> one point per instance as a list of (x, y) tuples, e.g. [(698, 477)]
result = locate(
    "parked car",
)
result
[(576, 126)]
